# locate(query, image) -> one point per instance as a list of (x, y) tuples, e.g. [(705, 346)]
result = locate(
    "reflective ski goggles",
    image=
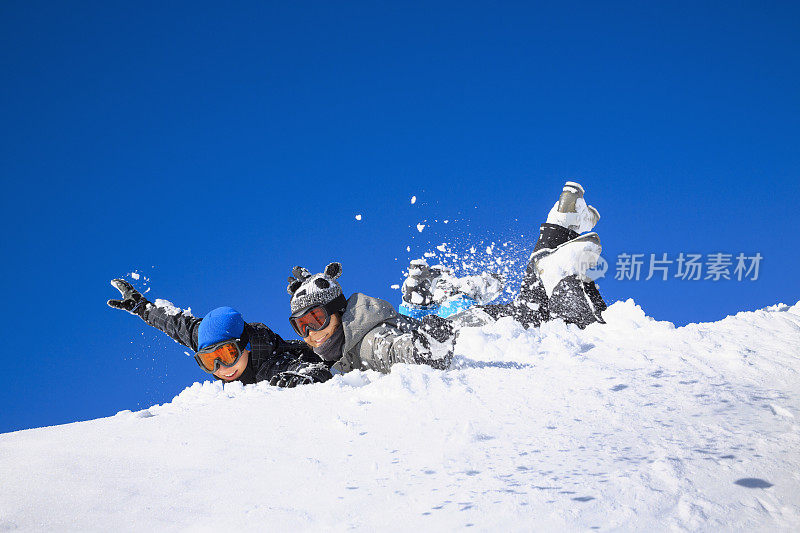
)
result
[(316, 318), (222, 354)]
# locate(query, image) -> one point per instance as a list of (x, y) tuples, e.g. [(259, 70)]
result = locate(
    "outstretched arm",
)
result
[(178, 324), (282, 363)]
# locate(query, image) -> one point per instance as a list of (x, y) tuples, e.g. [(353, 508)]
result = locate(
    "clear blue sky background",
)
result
[(212, 146)]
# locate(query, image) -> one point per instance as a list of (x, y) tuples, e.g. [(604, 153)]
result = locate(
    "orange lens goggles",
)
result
[(316, 318), (226, 353)]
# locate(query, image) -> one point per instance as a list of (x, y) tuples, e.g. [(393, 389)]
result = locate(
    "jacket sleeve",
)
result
[(272, 355), (177, 323), (285, 362), (299, 349), (389, 343)]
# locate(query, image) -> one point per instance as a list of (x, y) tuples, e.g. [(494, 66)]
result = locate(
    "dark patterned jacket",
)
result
[(269, 353)]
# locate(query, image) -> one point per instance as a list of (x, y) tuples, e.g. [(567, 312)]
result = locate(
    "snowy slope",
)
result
[(634, 425)]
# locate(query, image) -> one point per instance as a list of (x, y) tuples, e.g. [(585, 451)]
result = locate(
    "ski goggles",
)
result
[(316, 318), (222, 354)]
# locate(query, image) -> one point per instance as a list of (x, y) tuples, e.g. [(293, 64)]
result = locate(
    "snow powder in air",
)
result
[(170, 309)]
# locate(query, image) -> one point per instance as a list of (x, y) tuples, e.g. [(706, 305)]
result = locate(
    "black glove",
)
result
[(132, 300), (305, 376)]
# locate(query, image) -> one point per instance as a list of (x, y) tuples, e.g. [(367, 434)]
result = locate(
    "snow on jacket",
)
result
[(269, 353), (376, 337)]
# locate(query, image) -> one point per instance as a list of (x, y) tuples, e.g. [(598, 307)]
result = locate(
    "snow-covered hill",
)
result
[(633, 425)]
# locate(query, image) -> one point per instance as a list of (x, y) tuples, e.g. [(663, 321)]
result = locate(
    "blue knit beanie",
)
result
[(221, 324)]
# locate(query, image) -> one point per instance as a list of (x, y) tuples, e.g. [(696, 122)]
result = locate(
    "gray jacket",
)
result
[(376, 337)]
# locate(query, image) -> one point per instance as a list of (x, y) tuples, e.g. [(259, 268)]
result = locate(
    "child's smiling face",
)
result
[(232, 372), (316, 339)]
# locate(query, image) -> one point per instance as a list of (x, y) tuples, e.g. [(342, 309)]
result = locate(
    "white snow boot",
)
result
[(571, 210)]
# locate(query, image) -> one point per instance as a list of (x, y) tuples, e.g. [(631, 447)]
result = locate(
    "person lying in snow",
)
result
[(225, 345), (363, 332)]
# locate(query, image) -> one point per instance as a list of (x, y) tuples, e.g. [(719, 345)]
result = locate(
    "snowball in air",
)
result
[(358, 217)]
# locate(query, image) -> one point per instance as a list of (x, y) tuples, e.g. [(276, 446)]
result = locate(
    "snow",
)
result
[(413, 200), (482, 288), (420, 227), (136, 276), (633, 425), (358, 217), (573, 258), (170, 309)]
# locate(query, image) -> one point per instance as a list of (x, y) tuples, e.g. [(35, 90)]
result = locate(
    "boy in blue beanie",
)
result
[(225, 345)]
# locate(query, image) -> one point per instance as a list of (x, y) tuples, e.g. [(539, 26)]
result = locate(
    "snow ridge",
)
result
[(632, 425)]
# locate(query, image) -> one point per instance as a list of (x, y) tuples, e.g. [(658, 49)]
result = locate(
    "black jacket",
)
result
[(269, 353)]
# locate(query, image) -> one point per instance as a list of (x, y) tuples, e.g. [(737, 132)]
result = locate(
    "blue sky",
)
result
[(212, 147)]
